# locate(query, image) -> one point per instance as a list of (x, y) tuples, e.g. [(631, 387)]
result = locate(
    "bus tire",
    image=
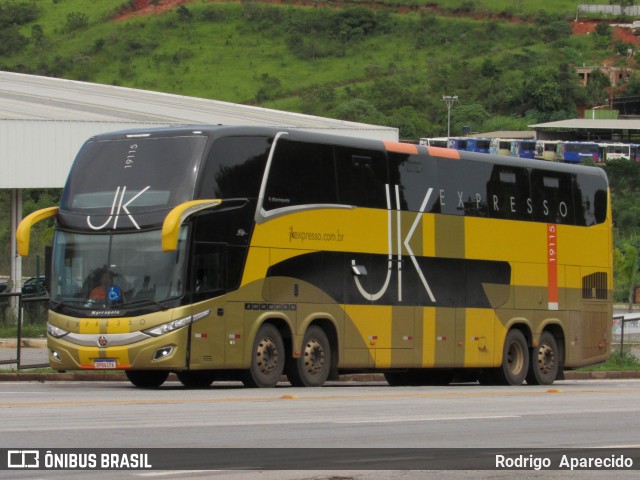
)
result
[(313, 366), (515, 360), (147, 378), (267, 359), (544, 362), (196, 378)]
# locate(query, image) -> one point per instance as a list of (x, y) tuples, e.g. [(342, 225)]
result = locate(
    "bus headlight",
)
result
[(176, 324), (55, 332)]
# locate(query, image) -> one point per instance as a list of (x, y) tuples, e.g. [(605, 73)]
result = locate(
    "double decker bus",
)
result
[(247, 253)]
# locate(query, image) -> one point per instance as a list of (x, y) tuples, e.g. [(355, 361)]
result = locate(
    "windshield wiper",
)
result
[(145, 301)]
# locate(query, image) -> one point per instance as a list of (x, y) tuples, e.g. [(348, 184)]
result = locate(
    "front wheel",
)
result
[(267, 359), (515, 360), (312, 368), (544, 363), (147, 378)]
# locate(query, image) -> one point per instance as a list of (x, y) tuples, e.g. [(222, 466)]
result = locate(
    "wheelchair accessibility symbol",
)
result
[(114, 294)]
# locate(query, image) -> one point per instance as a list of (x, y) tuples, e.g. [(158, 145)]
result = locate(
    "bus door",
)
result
[(208, 336)]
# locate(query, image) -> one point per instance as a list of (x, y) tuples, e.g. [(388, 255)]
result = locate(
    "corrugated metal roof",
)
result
[(44, 121), (590, 124), (509, 134)]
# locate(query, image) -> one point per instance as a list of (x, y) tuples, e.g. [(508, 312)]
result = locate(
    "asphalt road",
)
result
[(102, 415)]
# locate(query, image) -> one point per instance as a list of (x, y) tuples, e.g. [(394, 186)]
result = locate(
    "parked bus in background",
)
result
[(457, 143), (546, 150), (501, 146), (523, 148), (252, 252), (615, 151), (478, 145), (434, 142), (578, 152)]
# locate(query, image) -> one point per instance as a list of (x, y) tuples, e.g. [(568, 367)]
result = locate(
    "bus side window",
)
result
[(362, 177), (552, 197), (590, 199), (301, 174), (508, 193), (209, 270)]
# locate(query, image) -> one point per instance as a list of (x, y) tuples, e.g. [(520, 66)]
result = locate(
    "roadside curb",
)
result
[(362, 377)]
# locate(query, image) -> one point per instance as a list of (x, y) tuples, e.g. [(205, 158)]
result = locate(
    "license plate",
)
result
[(104, 363)]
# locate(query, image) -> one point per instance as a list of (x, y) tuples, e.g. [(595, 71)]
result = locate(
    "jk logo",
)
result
[(117, 207), (359, 270), (23, 459)]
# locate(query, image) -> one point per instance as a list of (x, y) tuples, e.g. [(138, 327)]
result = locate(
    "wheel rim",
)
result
[(515, 358), (546, 359), (313, 357), (267, 355)]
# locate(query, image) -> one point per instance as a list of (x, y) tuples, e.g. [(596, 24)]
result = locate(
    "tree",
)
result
[(184, 14), (626, 266), (597, 88)]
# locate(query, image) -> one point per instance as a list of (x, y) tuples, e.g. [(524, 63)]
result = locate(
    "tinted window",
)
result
[(462, 187), (300, 174), (590, 200), (362, 177), (415, 175), (552, 197), (235, 167), (508, 193), (136, 172)]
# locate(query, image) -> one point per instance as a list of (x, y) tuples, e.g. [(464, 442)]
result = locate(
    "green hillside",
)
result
[(509, 61)]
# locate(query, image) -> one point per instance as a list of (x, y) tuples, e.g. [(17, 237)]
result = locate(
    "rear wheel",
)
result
[(515, 360), (147, 378), (267, 359), (312, 368), (196, 379), (544, 362)]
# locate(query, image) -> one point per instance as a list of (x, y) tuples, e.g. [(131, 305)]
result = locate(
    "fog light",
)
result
[(56, 355), (163, 353)]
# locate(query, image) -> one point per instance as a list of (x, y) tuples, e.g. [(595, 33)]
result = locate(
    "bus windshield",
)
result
[(102, 271), (136, 172)]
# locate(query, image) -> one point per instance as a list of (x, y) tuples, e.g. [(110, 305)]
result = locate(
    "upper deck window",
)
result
[(301, 174), (134, 172), (235, 167)]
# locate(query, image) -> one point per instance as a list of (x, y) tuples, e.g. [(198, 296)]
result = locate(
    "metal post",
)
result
[(449, 101)]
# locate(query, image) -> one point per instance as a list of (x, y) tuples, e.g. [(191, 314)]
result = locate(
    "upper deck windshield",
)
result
[(100, 272), (136, 179)]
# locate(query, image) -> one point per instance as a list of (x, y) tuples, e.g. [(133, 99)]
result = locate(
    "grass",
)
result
[(619, 361), (28, 331), (227, 56)]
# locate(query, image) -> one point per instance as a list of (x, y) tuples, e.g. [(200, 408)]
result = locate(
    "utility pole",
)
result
[(449, 101)]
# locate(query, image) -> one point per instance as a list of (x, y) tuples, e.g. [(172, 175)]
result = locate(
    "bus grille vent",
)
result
[(594, 286), (207, 358)]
